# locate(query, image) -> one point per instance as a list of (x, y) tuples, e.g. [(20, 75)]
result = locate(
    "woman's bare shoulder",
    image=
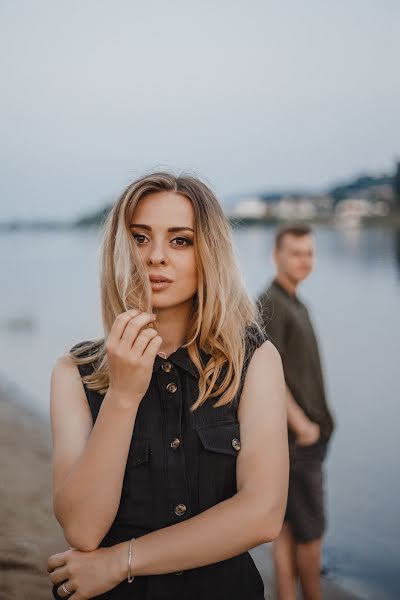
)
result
[(66, 383), (65, 370), (64, 362), (264, 382), (65, 365), (267, 356)]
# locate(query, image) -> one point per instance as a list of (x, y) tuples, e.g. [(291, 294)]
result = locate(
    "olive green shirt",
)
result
[(287, 323)]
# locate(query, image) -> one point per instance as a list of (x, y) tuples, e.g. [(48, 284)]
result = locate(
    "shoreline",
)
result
[(29, 532)]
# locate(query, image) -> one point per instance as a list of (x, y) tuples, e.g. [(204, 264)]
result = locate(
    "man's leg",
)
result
[(284, 549), (308, 557), (307, 473)]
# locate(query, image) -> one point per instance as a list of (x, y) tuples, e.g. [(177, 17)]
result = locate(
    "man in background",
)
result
[(298, 549)]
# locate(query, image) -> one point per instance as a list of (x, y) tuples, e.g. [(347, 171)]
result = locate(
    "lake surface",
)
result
[(51, 278)]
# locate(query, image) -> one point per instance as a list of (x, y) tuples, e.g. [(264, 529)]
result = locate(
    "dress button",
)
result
[(171, 388), (235, 444), (180, 510), (176, 442), (167, 367)]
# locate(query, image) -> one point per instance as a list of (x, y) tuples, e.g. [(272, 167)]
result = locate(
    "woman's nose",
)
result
[(157, 255)]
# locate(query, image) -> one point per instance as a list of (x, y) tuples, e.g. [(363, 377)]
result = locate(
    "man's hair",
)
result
[(295, 229)]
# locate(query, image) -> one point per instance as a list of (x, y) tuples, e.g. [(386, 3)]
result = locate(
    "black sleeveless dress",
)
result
[(180, 463)]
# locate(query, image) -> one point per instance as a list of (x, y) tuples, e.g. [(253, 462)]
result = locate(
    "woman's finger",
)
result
[(142, 340), (56, 560), (66, 589), (58, 575), (120, 323), (152, 348), (133, 328)]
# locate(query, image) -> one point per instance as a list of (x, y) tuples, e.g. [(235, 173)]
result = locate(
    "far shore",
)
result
[(391, 220)]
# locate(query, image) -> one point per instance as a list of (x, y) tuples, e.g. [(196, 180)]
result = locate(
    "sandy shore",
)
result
[(28, 531)]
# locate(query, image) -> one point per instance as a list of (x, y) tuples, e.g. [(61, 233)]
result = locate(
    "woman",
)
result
[(170, 461)]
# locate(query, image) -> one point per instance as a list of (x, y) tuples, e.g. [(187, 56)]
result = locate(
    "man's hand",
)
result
[(305, 430), (308, 434)]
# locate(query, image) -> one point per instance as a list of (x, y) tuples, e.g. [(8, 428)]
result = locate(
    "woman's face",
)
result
[(163, 228)]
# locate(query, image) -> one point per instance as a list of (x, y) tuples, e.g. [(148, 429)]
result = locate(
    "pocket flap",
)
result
[(138, 452), (223, 437)]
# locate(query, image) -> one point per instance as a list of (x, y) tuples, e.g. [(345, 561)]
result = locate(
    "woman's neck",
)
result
[(172, 325)]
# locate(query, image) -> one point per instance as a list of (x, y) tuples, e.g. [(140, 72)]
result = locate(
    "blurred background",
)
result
[(289, 110)]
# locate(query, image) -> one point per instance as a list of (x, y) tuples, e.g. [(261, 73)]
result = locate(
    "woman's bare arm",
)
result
[(255, 514), (85, 456)]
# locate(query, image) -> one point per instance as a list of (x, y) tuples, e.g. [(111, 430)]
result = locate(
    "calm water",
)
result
[(354, 296)]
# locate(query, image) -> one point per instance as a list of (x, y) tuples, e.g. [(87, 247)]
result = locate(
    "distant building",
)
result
[(294, 208), (323, 204), (350, 212), (249, 208)]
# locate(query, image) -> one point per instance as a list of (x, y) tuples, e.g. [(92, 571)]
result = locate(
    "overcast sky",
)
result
[(251, 95)]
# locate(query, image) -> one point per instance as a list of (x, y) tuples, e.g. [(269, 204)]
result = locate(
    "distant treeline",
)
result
[(337, 193)]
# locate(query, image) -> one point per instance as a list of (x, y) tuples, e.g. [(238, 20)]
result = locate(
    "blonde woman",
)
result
[(169, 435)]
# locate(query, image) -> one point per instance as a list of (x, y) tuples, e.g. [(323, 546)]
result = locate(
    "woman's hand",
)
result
[(85, 574), (131, 349)]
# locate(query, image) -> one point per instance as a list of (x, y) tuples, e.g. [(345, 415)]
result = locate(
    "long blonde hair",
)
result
[(222, 308)]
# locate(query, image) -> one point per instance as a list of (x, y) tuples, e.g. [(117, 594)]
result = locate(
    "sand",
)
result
[(29, 533)]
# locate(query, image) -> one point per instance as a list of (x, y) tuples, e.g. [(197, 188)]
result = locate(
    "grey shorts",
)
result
[(305, 511)]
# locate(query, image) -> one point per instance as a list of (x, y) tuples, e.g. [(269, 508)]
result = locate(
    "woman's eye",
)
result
[(139, 238), (182, 241)]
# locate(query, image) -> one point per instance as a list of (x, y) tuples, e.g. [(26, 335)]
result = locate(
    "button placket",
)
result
[(170, 378)]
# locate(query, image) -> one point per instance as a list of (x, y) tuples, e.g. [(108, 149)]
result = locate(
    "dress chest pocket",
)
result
[(136, 499), (139, 452), (219, 447)]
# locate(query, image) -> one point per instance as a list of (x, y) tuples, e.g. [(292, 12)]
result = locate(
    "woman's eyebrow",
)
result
[(172, 229)]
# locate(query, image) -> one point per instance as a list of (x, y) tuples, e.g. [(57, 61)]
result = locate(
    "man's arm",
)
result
[(306, 431), (277, 325)]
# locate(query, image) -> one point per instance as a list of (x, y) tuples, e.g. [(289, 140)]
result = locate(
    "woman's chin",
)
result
[(159, 303), (162, 303)]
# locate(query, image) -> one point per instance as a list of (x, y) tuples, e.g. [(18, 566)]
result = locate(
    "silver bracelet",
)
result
[(130, 577)]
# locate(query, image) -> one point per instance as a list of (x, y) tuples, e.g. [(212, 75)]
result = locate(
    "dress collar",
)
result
[(181, 359)]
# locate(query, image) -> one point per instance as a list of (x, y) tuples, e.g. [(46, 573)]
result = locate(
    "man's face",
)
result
[(295, 257)]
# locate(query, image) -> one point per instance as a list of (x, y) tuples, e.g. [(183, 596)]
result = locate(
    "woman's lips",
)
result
[(157, 286), (159, 282)]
